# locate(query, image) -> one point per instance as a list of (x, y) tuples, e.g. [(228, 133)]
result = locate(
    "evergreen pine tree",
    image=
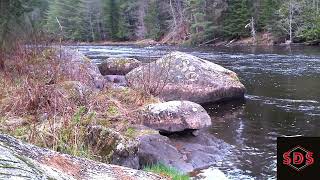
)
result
[(310, 16), (69, 15), (128, 19), (267, 15), (157, 19), (201, 28), (14, 21), (152, 20), (236, 18), (112, 17)]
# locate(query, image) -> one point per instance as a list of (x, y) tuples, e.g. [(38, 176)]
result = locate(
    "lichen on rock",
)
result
[(118, 66), (175, 116), (113, 147), (19, 160), (186, 77)]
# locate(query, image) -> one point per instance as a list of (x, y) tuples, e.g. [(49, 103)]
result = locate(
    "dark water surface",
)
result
[(283, 98)]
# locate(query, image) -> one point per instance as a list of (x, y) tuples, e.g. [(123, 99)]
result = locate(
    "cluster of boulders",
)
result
[(183, 82), (180, 80)]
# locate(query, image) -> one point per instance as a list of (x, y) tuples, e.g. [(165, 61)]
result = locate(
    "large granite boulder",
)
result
[(118, 66), (175, 116), (180, 76), (19, 160), (74, 66)]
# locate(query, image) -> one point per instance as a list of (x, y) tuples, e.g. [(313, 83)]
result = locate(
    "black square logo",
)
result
[(298, 158)]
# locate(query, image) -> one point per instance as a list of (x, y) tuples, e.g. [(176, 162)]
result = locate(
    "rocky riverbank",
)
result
[(121, 115)]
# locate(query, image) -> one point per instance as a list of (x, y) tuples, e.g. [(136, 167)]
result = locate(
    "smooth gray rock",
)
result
[(118, 66), (155, 149), (175, 116), (19, 160), (181, 76), (182, 152)]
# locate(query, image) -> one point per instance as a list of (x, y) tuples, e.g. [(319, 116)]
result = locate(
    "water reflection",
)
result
[(237, 125)]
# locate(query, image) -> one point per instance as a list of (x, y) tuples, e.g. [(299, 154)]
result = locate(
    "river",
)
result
[(282, 99)]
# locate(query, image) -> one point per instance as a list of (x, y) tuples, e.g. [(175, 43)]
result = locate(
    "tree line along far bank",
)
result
[(175, 21)]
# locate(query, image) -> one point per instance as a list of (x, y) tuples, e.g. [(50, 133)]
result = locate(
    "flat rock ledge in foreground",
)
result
[(19, 160)]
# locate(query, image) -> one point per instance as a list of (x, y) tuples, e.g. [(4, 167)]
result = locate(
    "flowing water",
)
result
[(283, 99)]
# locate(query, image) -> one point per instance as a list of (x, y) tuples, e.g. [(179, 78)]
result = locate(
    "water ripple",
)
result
[(310, 107)]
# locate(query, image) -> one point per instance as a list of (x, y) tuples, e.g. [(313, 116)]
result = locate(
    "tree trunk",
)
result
[(173, 15), (91, 28), (290, 20), (99, 28), (174, 20), (253, 31), (1, 60)]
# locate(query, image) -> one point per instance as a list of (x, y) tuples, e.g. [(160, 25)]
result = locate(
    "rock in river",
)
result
[(184, 153), (19, 160), (180, 76), (175, 116), (118, 66)]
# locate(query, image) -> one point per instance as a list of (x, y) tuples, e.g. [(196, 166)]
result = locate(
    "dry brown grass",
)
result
[(154, 76), (30, 88), (27, 85)]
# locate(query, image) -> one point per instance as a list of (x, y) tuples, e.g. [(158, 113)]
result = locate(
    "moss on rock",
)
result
[(118, 66)]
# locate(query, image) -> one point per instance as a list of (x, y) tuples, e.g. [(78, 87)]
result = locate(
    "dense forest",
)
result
[(168, 21), (111, 81)]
